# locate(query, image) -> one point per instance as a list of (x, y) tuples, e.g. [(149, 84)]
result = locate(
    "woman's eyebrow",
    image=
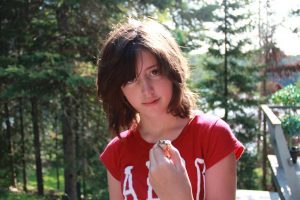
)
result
[(152, 66)]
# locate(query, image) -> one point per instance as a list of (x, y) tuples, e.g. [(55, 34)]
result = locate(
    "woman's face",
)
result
[(150, 92)]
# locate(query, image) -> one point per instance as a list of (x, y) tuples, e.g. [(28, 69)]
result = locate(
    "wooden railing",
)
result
[(286, 174)]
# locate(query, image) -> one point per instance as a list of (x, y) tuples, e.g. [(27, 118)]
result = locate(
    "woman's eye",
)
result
[(130, 81), (155, 72)]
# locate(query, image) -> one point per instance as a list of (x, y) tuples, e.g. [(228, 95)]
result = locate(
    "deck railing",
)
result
[(288, 182)]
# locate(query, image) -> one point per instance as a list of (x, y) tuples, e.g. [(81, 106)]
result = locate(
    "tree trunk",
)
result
[(12, 174), (83, 110), (37, 145), (57, 157), (23, 145), (77, 153), (57, 167), (69, 151), (225, 63), (62, 15)]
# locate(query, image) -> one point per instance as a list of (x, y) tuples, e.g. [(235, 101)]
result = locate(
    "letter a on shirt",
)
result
[(128, 191)]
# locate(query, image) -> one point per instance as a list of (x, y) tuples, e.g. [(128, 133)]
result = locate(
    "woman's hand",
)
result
[(168, 175)]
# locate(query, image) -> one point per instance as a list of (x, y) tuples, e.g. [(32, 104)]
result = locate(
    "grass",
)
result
[(8, 195), (49, 182), (49, 178)]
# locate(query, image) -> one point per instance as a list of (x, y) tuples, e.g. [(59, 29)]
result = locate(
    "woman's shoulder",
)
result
[(115, 145), (206, 124), (206, 119), (124, 136)]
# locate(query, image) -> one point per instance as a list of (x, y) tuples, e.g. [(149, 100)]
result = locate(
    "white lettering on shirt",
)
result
[(128, 189), (128, 181), (199, 162), (150, 190)]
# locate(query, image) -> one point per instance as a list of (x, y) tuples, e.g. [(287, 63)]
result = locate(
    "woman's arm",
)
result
[(114, 187), (221, 179)]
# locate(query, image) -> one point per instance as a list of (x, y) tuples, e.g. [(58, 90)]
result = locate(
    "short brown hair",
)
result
[(117, 66)]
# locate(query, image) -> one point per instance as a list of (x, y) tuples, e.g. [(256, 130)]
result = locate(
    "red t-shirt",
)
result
[(202, 143)]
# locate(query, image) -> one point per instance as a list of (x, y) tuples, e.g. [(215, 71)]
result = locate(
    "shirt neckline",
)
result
[(176, 141)]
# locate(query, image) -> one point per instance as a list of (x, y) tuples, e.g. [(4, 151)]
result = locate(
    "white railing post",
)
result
[(282, 152)]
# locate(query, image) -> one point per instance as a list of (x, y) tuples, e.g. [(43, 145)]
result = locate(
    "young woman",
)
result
[(142, 86)]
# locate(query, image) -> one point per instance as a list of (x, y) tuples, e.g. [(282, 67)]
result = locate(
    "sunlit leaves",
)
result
[(289, 96)]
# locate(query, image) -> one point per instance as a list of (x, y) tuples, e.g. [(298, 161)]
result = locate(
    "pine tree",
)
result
[(230, 85)]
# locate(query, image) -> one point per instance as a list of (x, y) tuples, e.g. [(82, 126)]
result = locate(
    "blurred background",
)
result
[(52, 125)]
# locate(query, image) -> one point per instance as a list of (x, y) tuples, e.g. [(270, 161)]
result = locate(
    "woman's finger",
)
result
[(176, 157), (151, 157)]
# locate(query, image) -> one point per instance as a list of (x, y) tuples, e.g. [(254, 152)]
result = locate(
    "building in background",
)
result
[(281, 70)]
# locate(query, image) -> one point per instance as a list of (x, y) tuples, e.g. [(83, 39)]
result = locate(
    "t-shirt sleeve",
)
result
[(220, 143), (109, 157)]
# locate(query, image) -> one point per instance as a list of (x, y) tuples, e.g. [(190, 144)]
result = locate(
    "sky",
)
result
[(285, 39)]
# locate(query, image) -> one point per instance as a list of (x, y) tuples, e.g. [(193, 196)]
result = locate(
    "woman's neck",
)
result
[(164, 127)]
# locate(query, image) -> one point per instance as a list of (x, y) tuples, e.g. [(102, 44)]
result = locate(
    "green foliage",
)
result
[(288, 96), (48, 51), (234, 89), (247, 163), (188, 18), (291, 124)]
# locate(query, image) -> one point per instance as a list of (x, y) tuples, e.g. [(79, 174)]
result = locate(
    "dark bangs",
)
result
[(117, 66), (125, 68)]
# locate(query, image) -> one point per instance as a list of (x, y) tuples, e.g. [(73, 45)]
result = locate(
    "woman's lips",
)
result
[(152, 102)]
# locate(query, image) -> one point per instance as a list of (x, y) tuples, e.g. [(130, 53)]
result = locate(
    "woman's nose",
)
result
[(146, 87)]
